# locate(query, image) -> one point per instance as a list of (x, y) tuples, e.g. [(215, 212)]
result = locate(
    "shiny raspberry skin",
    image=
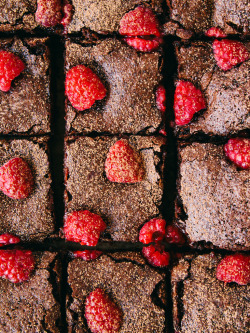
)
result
[(153, 231), (16, 179), (10, 67), (6, 239), (229, 53), (144, 45), (87, 255), (234, 268), (215, 32), (161, 98), (187, 101), (49, 12), (83, 227), (102, 313), (16, 265), (123, 164), (238, 151), (156, 255), (139, 22), (174, 236), (83, 87)]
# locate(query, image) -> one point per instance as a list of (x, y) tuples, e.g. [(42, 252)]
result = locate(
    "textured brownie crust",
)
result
[(215, 197), (31, 218), (204, 304), (226, 93), (125, 207), (31, 306), (103, 16), (25, 109), (131, 79), (199, 15), (130, 283)]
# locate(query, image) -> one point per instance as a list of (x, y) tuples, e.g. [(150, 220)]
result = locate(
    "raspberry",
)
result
[(102, 313), (229, 53), (234, 268), (16, 265), (215, 32), (49, 12), (84, 227), (87, 255), (156, 255), (83, 87), (153, 231), (238, 151), (161, 98), (163, 132), (16, 179), (123, 164), (6, 239), (187, 101), (10, 67), (144, 45), (173, 235)]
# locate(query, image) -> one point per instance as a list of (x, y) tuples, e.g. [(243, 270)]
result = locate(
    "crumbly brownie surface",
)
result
[(130, 283), (131, 79), (31, 218), (226, 93), (215, 197), (124, 207), (204, 304), (25, 109), (31, 306)]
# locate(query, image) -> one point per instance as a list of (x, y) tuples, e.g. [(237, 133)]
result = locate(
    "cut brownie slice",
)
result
[(204, 304), (214, 197), (134, 286), (25, 109), (131, 80), (33, 305), (124, 207), (226, 93), (30, 218)]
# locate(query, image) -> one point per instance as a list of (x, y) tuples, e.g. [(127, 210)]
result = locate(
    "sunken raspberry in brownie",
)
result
[(30, 217), (25, 108), (202, 303), (213, 197), (124, 206), (131, 80), (135, 288)]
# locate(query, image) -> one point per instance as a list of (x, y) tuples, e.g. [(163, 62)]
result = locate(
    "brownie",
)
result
[(124, 207), (131, 283), (199, 15), (103, 16), (32, 218), (201, 303), (214, 197), (25, 109), (33, 305), (226, 93), (131, 79)]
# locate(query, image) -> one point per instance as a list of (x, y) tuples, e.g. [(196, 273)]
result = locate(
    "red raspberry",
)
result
[(173, 235), (10, 67), (144, 45), (83, 87), (102, 313), (6, 239), (187, 101), (16, 265), (156, 255), (238, 151), (16, 179), (49, 12), (163, 132), (123, 164), (84, 227), (229, 53), (87, 255), (153, 231), (161, 98), (234, 268), (215, 32)]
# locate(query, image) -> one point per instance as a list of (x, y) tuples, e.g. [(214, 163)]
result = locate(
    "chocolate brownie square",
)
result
[(226, 93), (32, 218), (131, 79), (33, 305), (124, 207), (204, 304), (25, 108), (214, 197), (134, 286)]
